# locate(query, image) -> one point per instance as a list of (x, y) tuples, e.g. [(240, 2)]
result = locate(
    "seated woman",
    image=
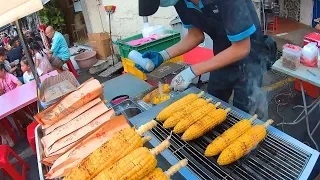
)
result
[(27, 72), (8, 81), (40, 58)]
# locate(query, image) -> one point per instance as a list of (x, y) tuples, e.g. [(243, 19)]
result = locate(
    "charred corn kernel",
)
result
[(160, 99), (165, 88), (196, 115), (188, 109), (229, 136), (158, 174), (135, 165), (110, 152), (176, 106), (211, 120), (244, 144)]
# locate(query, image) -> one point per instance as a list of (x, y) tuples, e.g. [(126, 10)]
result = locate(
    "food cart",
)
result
[(278, 156)]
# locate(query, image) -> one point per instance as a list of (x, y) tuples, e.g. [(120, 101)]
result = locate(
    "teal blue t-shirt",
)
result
[(59, 47)]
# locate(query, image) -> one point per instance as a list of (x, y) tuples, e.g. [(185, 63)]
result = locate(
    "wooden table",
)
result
[(20, 97)]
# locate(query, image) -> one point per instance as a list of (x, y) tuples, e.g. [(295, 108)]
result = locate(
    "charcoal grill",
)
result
[(278, 156)]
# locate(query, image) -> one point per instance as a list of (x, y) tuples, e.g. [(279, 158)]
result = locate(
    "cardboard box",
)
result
[(100, 42)]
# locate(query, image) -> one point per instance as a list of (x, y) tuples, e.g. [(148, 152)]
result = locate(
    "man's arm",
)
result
[(235, 52), (194, 37)]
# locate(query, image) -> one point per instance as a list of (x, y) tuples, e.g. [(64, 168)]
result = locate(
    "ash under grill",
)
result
[(274, 158)]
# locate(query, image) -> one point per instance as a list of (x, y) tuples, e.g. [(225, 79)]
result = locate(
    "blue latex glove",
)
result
[(181, 81), (156, 57)]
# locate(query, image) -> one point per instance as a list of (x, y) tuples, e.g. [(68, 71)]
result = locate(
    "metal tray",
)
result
[(279, 156), (43, 169)]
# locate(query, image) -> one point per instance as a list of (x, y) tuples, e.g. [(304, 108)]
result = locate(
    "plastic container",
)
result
[(291, 55), (129, 66), (137, 58), (86, 59), (156, 45), (151, 30), (309, 55)]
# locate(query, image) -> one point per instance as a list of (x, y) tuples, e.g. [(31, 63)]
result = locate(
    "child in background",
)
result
[(40, 58), (27, 72)]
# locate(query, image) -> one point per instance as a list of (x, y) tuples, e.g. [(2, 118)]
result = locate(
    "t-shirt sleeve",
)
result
[(38, 56), (184, 15), (237, 20), (13, 79)]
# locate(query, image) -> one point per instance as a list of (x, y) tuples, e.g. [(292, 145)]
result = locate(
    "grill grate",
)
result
[(274, 158)]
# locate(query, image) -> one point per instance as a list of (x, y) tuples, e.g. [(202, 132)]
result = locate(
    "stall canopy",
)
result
[(45, 1), (17, 9)]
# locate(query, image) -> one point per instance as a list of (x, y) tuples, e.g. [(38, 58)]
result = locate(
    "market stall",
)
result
[(277, 156)]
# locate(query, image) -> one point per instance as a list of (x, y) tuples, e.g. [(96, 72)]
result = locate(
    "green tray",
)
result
[(156, 45)]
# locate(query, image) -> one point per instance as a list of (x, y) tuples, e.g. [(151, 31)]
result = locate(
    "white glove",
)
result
[(182, 80)]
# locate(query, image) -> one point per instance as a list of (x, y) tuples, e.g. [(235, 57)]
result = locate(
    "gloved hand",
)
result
[(183, 79), (156, 57)]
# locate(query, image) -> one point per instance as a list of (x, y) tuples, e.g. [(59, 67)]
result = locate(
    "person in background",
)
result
[(59, 52), (40, 58), (8, 81), (10, 67), (6, 39), (16, 51), (27, 72)]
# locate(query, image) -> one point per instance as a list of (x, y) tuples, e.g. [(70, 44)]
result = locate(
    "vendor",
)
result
[(235, 29)]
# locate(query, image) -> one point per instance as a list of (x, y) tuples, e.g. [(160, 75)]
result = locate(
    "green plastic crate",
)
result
[(156, 45)]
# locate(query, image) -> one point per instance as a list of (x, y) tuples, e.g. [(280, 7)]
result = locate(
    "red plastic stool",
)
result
[(71, 68), (8, 127), (7, 167), (31, 136)]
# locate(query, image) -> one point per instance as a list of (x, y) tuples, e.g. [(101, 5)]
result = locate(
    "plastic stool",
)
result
[(8, 127), (31, 136), (71, 68), (7, 167)]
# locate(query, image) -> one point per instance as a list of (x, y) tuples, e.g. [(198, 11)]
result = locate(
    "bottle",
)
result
[(137, 58)]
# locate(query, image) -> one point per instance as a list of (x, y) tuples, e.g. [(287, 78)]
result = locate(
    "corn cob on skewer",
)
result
[(244, 144), (160, 99), (110, 152), (158, 174), (229, 136), (188, 109), (165, 88), (195, 116), (211, 120), (135, 165), (176, 106)]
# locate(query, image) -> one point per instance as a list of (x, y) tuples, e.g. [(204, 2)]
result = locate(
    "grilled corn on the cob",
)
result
[(158, 174), (229, 136), (160, 98), (188, 109), (165, 88), (187, 121), (176, 106), (135, 165), (244, 144), (211, 120), (110, 152)]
